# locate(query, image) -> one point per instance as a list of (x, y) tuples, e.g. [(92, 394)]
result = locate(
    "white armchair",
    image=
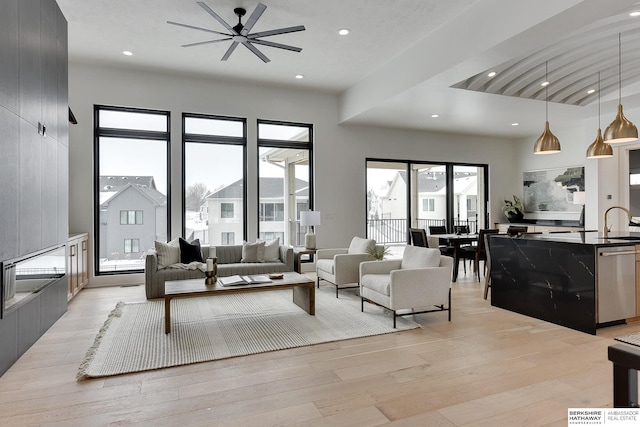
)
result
[(412, 285), (341, 266)]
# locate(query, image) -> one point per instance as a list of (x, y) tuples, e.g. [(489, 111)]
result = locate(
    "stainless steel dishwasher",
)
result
[(616, 284)]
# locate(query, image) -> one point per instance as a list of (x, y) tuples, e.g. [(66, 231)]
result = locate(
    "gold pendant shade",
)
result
[(547, 143), (599, 149), (620, 130)]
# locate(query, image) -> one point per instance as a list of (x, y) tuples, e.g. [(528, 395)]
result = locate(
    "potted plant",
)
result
[(378, 252), (513, 210)]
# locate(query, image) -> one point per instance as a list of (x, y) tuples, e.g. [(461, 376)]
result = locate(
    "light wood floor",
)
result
[(486, 367)]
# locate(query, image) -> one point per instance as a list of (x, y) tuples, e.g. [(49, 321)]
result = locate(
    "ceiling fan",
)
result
[(239, 33)]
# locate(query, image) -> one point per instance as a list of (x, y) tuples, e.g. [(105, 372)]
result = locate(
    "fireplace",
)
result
[(24, 277)]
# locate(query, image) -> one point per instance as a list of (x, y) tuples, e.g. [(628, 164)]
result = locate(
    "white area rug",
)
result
[(221, 326), (633, 339)]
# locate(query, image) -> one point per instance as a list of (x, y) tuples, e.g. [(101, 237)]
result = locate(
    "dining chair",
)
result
[(481, 251), (434, 230), (461, 229), (487, 276), (419, 237), (437, 229)]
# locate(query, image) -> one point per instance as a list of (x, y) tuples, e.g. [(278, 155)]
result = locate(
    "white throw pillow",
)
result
[(361, 246), (168, 253), (252, 252), (418, 257), (272, 250)]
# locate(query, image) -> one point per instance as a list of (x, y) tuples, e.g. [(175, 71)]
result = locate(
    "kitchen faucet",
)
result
[(606, 229)]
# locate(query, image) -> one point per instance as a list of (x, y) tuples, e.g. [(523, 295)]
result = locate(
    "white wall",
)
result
[(340, 150), (605, 179)]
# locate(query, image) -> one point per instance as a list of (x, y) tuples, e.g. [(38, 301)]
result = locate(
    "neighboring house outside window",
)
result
[(118, 222), (272, 236), (271, 211)]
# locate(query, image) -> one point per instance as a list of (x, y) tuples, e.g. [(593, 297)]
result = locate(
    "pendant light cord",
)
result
[(599, 100), (546, 92), (619, 69)]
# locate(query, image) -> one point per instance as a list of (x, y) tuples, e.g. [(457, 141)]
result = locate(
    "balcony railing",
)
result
[(394, 231)]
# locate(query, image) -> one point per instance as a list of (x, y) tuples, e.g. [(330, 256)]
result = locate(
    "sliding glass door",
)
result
[(403, 195), (428, 196), (468, 192), (387, 202)]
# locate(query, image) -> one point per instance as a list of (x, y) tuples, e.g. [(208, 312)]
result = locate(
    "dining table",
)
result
[(456, 241)]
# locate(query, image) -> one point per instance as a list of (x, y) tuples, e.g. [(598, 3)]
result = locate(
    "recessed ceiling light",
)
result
[(515, 124), (590, 91), (543, 84), (299, 76), (127, 52), (634, 14), (344, 31), (492, 74), (435, 115)]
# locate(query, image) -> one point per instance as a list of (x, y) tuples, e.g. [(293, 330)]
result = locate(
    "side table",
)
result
[(297, 256)]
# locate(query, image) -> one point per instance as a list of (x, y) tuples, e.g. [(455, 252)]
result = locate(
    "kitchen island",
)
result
[(579, 280)]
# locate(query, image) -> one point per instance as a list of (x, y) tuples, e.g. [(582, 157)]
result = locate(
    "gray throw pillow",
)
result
[(252, 252)]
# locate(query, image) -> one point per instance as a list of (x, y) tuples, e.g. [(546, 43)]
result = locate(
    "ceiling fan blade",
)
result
[(276, 32), (217, 17), (257, 13), (278, 45), (229, 51), (197, 28), (253, 49), (207, 42)]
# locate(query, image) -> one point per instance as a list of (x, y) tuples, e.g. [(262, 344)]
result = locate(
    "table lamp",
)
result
[(310, 219)]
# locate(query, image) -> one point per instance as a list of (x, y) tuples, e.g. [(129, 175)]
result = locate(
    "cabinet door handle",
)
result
[(84, 245), (619, 253)]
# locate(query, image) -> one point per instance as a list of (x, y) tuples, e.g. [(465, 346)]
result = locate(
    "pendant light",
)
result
[(599, 149), (547, 143), (620, 129)]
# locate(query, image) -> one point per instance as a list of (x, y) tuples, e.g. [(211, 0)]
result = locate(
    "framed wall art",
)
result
[(554, 190)]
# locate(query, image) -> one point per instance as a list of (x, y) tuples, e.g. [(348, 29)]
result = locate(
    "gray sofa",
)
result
[(228, 264)]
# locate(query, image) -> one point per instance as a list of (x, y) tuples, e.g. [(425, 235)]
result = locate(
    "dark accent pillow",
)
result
[(190, 252)]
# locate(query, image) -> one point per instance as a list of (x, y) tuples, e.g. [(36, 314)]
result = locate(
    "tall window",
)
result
[(285, 179), (402, 195), (214, 178), (131, 184)]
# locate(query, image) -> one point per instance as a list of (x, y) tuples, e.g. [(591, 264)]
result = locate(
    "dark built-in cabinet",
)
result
[(34, 161)]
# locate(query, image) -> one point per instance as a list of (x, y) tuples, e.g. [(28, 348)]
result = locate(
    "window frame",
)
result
[(105, 132), (215, 139), (277, 143), (449, 172)]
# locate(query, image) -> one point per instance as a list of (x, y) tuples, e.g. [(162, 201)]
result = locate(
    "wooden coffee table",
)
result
[(304, 295)]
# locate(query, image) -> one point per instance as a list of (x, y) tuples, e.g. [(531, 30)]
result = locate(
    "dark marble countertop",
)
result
[(547, 222), (583, 238)]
